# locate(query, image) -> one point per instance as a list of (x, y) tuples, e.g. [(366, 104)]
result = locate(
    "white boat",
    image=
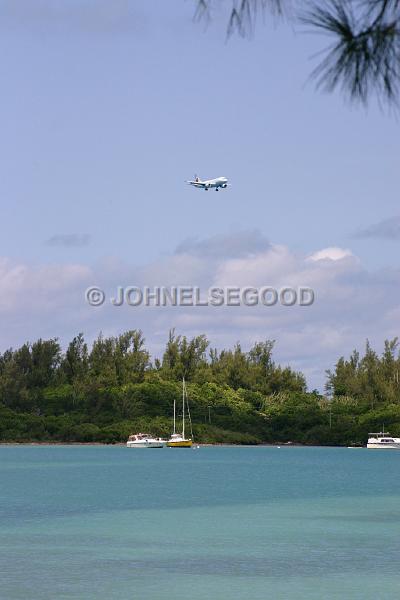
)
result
[(178, 440), (144, 440), (383, 440)]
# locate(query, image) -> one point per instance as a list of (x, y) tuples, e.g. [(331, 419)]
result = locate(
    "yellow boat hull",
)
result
[(180, 444)]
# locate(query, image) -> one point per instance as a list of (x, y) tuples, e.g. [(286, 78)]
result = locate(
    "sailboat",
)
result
[(178, 440)]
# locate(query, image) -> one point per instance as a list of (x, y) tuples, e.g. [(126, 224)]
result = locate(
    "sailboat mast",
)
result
[(183, 408), (174, 416)]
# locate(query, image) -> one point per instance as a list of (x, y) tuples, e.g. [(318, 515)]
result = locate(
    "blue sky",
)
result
[(108, 107)]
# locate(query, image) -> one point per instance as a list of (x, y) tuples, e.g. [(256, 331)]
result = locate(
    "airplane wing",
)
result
[(198, 184)]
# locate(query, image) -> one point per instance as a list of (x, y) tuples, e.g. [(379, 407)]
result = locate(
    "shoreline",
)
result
[(201, 445)]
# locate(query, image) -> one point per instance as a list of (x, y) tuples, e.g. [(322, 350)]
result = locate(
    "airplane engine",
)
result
[(224, 185)]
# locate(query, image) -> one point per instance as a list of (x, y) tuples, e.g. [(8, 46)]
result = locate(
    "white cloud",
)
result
[(351, 303), (267, 268), (332, 253), (26, 287)]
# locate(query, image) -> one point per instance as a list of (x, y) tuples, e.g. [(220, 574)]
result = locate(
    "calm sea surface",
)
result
[(225, 523)]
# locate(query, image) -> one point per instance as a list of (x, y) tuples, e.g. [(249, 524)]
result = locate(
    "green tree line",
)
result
[(112, 389)]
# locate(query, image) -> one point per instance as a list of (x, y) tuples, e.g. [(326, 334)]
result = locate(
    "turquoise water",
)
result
[(98, 522)]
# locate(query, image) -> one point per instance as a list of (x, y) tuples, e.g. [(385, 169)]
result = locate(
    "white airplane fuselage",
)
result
[(218, 182)]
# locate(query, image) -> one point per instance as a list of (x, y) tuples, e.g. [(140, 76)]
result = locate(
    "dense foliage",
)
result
[(104, 393)]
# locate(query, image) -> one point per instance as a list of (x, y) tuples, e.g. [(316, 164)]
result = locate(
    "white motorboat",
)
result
[(144, 440), (383, 440)]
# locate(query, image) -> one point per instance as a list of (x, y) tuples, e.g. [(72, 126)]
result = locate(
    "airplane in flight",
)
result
[(219, 182)]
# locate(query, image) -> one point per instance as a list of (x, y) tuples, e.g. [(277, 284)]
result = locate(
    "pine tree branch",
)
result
[(365, 58)]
